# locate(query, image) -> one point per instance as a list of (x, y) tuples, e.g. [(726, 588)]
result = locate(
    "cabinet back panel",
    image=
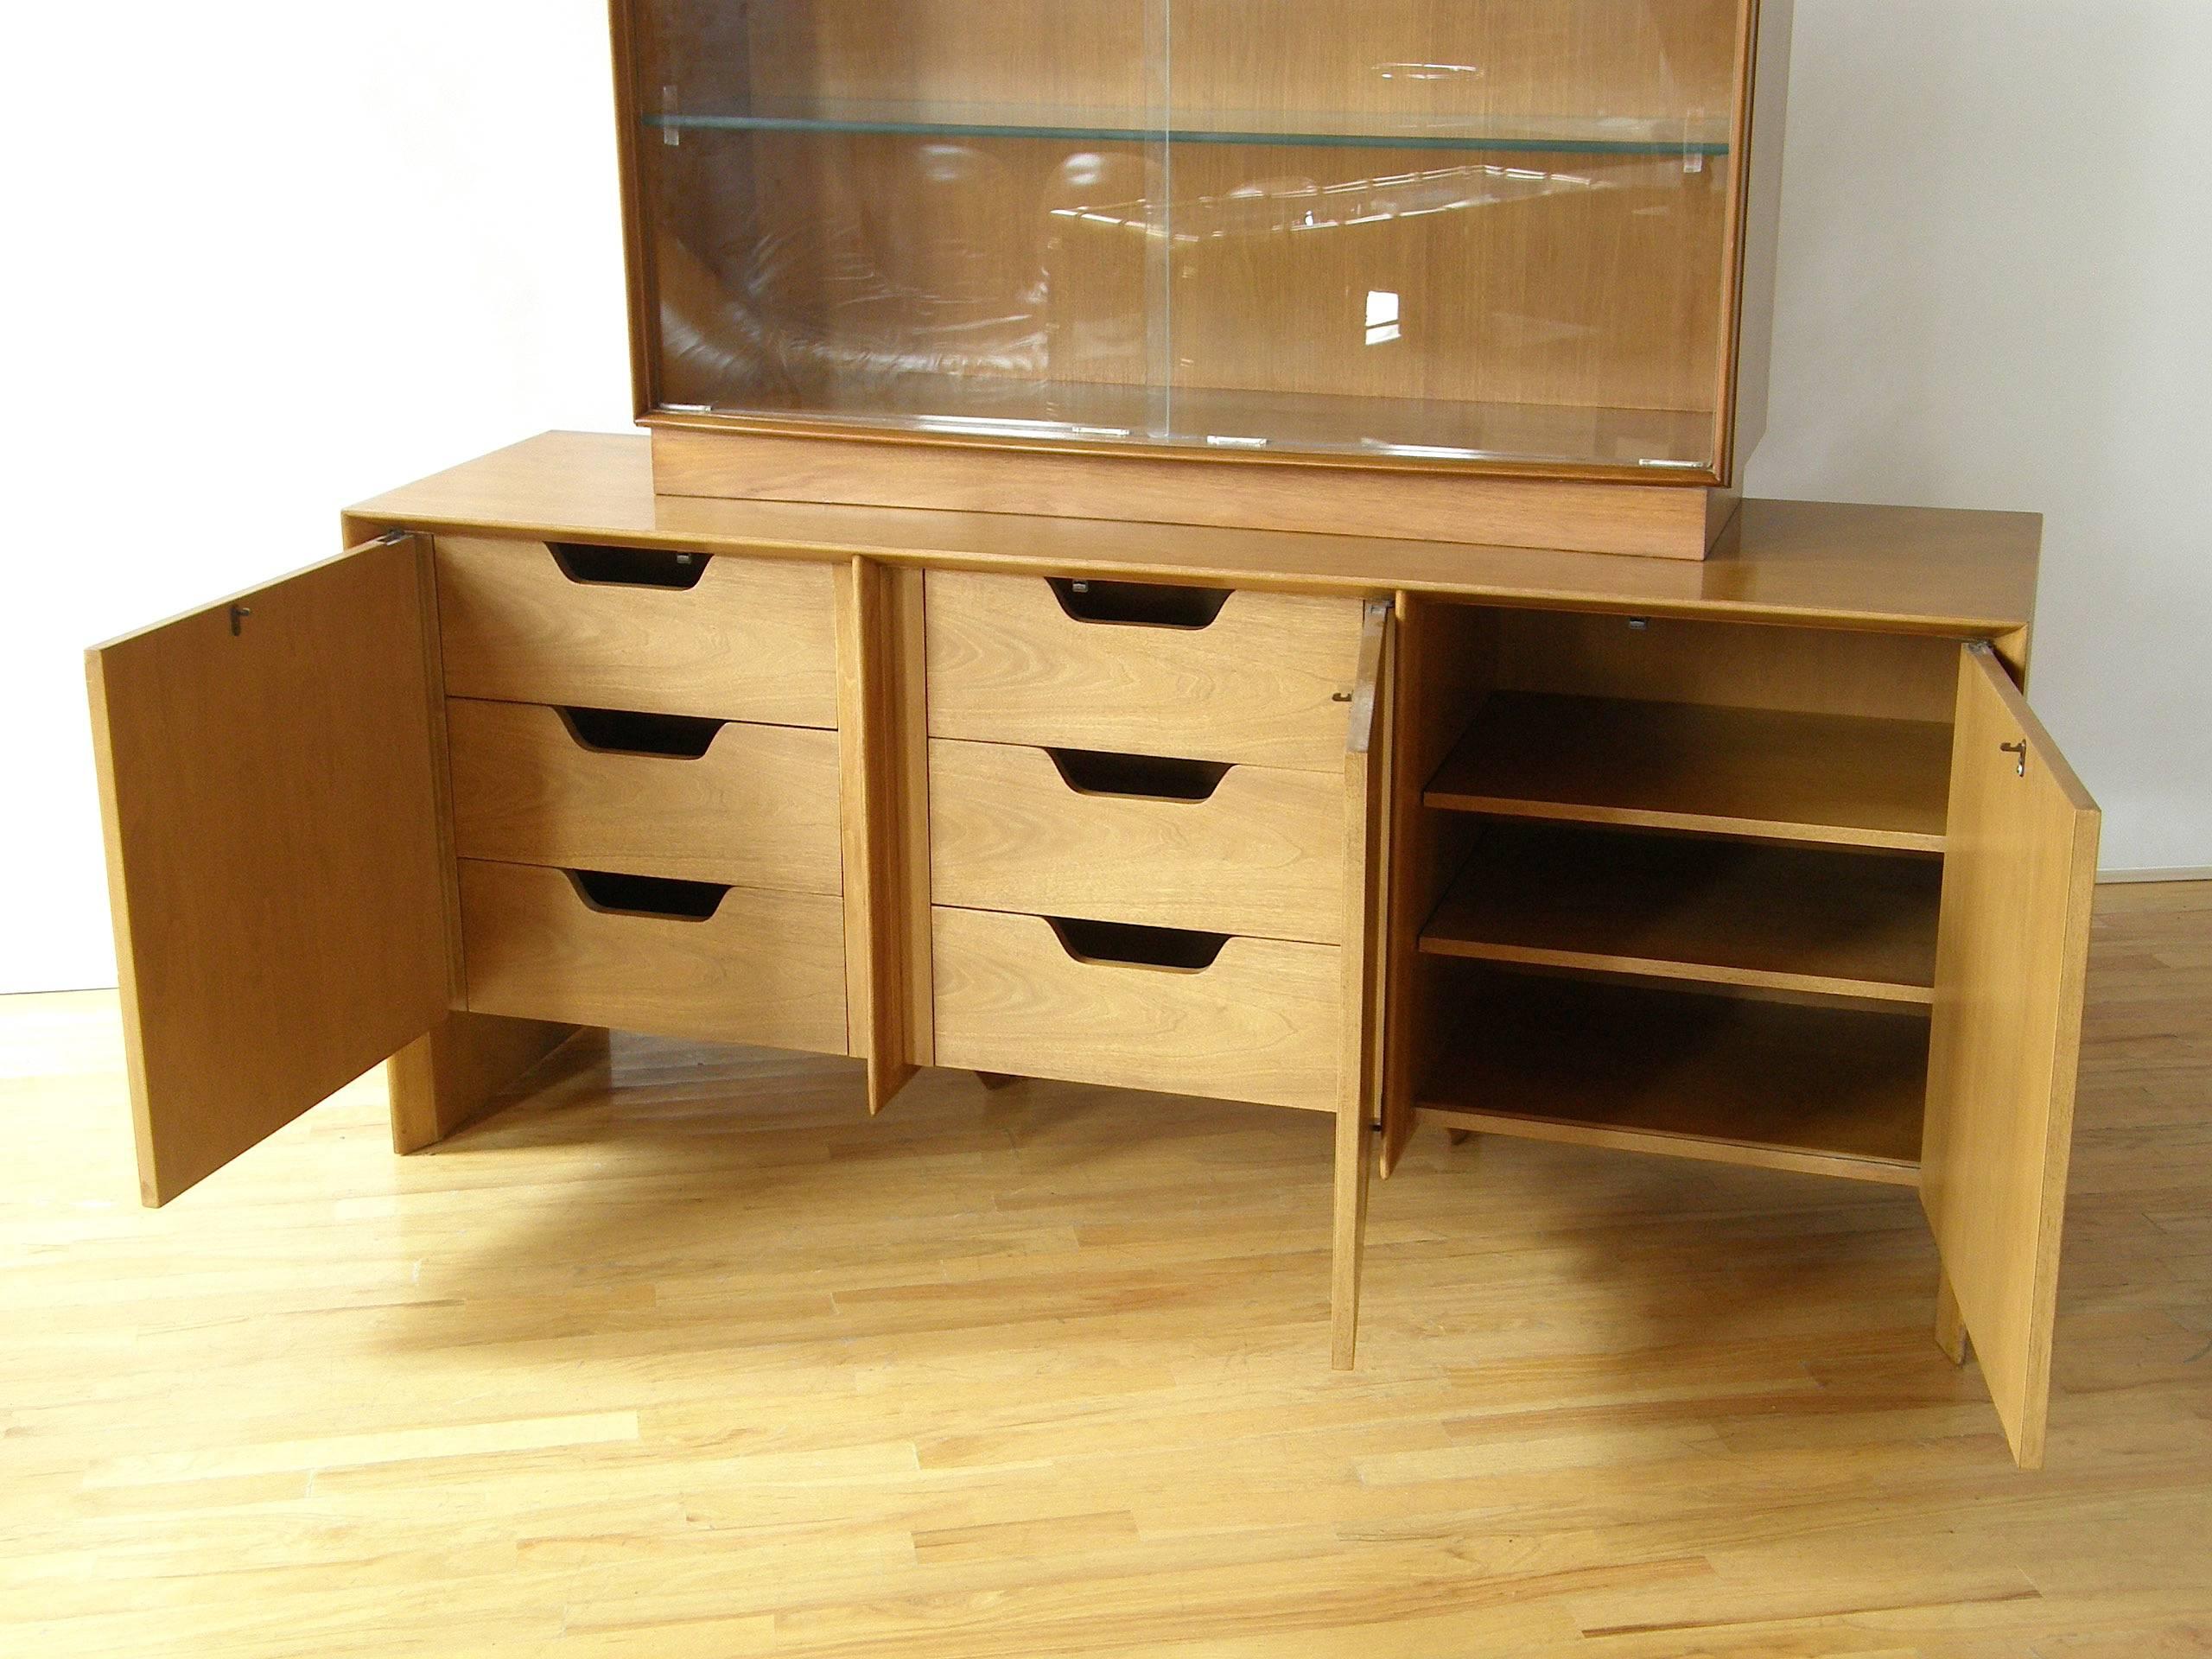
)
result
[(1804, 671)]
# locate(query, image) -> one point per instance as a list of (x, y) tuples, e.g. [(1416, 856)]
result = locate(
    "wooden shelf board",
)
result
[(1726, 913), (1835, 780), (1826, 1091)]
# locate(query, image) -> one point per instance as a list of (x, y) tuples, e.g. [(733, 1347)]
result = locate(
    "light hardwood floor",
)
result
[(715, 1366)]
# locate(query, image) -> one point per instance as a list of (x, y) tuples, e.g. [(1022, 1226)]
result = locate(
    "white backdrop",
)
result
[(266, 259)]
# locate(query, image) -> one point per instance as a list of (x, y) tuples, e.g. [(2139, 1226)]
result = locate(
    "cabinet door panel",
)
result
[(2011, 955), (268, 792)]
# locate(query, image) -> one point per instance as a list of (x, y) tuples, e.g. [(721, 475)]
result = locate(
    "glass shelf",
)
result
[(1696, 137)]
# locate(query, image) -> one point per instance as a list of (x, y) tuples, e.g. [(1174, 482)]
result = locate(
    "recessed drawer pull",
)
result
[(649, 895), (1145, 604), (1099, 772), (1177, 949), (619, 731), (627, 566)]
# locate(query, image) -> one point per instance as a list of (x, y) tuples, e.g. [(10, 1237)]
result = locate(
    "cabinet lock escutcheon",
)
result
[(2020, 752)]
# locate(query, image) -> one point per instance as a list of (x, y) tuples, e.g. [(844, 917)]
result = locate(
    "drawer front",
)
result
[(1013, 828), (763, 967), (1259, 682), (1260, 1024), (757, 808), (753, 639)]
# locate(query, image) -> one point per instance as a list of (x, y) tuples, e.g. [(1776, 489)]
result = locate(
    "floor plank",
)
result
[(681, 1356)]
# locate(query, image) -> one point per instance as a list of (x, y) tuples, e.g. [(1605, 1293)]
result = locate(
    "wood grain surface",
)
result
[(685, 1356), (765, 968), (1267, 682), (274, 859), (1829, 780), (2020, 879), (1827, 1090), (1726, 913), (752, 640), (1263, 853), (1941, 571), (1260, 1024), (759, 809)]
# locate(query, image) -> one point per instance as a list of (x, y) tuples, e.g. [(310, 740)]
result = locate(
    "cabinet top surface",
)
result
[(1912, 570)]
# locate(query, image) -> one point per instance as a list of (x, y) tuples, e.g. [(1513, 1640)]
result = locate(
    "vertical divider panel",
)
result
[(434, 667), (881, 740), (467, 1065), (908, 690), (453, 1074), (859, 598)]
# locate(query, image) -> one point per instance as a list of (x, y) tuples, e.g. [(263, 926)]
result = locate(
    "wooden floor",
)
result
[(713, 1366)]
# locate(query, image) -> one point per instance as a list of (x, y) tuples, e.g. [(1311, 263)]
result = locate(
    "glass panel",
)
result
[(1434, 230), (883, 212), (1522, 258)]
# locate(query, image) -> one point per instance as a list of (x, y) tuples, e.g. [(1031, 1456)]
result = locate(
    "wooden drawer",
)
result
[(755, 967), (1260, 1022), (1253, 851), (1011, 661), (755, 806), (747, 639)]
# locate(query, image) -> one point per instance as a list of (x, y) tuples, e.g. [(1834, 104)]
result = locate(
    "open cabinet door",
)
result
[(273, 852), (2019, 870)]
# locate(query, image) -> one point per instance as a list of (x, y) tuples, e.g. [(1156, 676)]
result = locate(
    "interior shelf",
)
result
[(1674, 135), (1745, 914), (1840, 780), (1828, 1090)]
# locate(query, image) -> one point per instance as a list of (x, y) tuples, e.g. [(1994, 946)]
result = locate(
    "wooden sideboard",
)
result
[(1762, 859)]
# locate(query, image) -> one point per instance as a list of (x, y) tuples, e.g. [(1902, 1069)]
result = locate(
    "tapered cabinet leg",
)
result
[(452, 1076), (994, 1081), (1458, 1137), (1950, 1324), (1349, 1234)]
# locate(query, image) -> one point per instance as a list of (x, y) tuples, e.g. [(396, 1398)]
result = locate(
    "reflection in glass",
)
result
[(1488, 232)]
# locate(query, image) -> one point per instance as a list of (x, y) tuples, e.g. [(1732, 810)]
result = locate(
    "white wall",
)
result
[(1996, 291), (270, 258), (264, 260)]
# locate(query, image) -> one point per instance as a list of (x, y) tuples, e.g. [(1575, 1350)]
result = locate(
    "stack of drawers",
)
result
[(1138, 832), (645, 775)]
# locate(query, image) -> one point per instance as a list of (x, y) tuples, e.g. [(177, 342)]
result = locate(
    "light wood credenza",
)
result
[(1762, 859)]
